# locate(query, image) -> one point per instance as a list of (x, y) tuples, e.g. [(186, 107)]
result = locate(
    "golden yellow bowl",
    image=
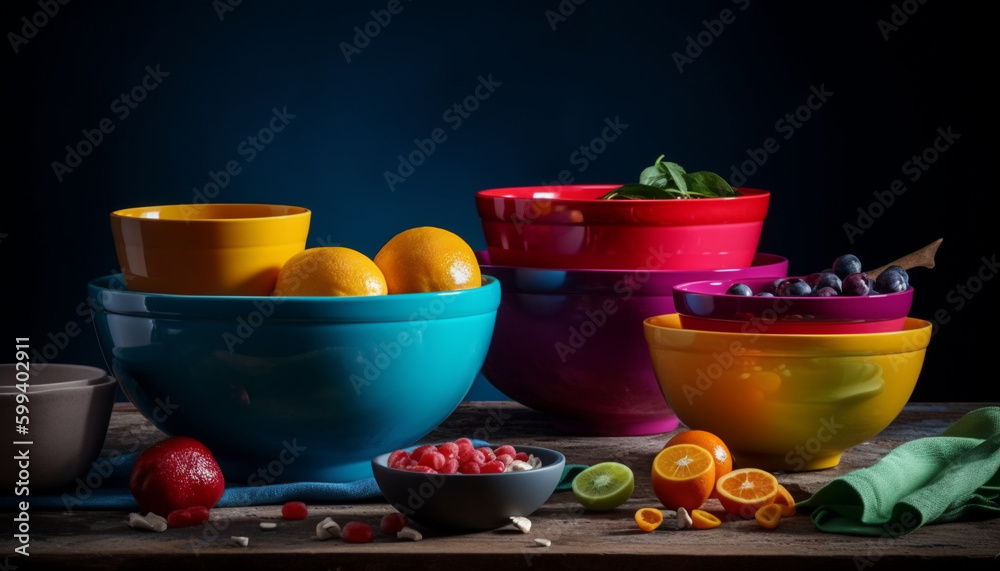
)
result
[(207, 249), (786, 402)]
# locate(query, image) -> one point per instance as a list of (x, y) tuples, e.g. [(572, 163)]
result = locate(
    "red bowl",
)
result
[(769, 327), (570, 227)]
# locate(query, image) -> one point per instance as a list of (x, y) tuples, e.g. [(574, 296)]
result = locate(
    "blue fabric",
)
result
[(105, 487)]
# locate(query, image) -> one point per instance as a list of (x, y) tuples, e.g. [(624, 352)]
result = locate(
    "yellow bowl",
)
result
[(207, 249), (786, 402)]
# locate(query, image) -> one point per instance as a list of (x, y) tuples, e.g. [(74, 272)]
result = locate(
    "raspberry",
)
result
[(475, 456), (488, 452), (420, 450), (470, 468), (294, 510), (188, 516), (522, 456), (505, 449), (393, 522), (464, 445), (450, 466), (398, 459), (433, 459), (505, 458), (357, 532), (449, 449), (421, 468), (493, 467)]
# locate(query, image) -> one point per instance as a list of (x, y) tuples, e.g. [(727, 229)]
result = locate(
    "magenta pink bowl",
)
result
[(570, 227), (875, 313), (570, 343)]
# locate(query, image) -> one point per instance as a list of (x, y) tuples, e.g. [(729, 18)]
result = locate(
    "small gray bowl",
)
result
[(470, 502), (68, 413)]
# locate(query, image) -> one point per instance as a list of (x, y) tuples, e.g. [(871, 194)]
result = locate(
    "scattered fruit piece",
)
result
[(267, 525), (768, 516), (715, 446), (742, 492), (604, 486), (684, 519), (186, 517), (701, 519), (357, 532), (392, 523), (241, 540), (176, 473), (683, 476), (409, 533), (138, 521), (785, 500), (294, 510), (327, 529), (648, 518), (542, 542), (523, 524)]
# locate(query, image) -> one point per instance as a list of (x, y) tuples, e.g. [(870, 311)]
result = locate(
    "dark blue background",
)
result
[(559, 81)]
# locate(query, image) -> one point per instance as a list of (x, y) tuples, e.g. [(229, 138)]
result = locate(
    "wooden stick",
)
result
[(922, 258)]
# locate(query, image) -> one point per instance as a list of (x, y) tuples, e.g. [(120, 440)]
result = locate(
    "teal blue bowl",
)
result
[(295, 389)]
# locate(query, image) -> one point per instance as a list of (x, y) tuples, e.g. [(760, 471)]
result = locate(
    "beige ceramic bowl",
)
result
[(66, 409)]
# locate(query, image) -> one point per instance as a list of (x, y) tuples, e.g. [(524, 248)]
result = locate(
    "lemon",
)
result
[(330, 271)]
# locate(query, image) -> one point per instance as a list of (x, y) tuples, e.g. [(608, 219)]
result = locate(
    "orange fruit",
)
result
[(768, 516), (785, 500), (428, 259), (742, 492), (683, 476), (329, 271), (701, 519), (648, 518), (715, 446)]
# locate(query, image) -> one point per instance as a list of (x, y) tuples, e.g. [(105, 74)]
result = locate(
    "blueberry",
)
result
[(739, 289), (893, 279), (793, 287), (825, 291), (765, 294), (856, 284), (772, 287), (824, 279), (846, 265)]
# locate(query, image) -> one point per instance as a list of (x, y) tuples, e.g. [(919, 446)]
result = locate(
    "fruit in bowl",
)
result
[(569, 343), (786, 402), (295, 388)]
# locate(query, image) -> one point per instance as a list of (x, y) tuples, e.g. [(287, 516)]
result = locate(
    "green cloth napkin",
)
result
[(937, 479)]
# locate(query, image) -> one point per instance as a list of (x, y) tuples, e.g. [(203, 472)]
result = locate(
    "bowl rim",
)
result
[(135, 213), (95, 377), (105, 295), (517, 193)]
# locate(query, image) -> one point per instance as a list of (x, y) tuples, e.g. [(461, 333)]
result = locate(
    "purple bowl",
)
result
[(570, 343), (708, 299)]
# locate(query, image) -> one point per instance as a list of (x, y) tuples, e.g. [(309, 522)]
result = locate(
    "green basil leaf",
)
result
[(715, 184), (696, 187), (652, 176), (677, 176), (639, 191)]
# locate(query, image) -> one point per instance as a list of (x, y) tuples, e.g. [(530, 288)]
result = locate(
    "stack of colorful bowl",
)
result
[(579, 274), (789, 382)]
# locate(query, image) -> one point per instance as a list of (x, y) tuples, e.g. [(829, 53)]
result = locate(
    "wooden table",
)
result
[(580, 540)]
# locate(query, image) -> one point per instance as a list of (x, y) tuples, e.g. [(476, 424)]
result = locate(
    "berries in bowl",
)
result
[(839, 300), (438, 485)]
